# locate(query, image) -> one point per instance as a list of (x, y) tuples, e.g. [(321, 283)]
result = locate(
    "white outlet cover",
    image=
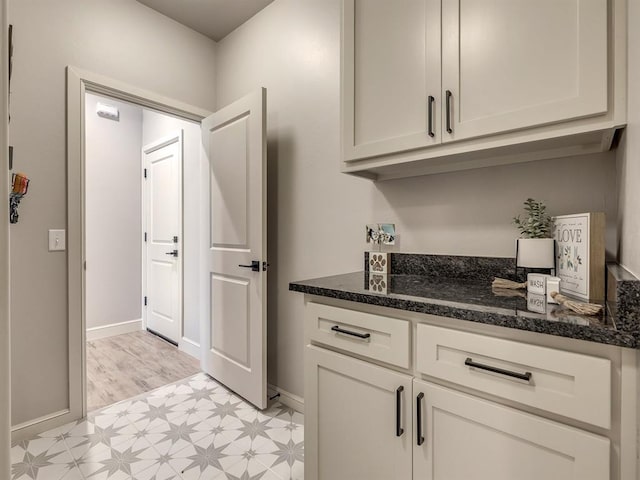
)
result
[(57, 240)]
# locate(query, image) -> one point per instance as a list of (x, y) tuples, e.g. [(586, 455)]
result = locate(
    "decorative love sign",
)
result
[(580, 254)]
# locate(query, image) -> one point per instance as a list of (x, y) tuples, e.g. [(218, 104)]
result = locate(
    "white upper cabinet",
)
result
[(515, 64), (438, 85), (391, 76)]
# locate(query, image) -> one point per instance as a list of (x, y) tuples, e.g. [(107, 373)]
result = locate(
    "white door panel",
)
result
[(234, 330), (512, 64), (466, 437), (391, 76), (357, 419), (229, 195), (163, 222)]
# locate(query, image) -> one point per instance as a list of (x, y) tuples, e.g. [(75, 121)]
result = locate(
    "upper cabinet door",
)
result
[(511, 64), (390, 76)]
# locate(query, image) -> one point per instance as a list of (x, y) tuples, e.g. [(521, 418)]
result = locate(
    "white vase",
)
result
[(535, 252)]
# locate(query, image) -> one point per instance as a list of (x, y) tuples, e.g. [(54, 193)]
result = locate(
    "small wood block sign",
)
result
[(580, 262)]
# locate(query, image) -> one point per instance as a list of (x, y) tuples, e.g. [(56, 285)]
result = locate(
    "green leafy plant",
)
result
[(537, 223)]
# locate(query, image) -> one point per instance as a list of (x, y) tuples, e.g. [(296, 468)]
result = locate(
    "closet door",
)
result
[(511, 64), (390, 76), (465, 437)]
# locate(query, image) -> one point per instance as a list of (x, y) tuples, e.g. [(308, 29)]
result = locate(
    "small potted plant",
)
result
[(535, 248)]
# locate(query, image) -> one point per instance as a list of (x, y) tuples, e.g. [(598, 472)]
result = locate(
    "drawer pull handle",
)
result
[(526, 376), (430, 114), (419, 436), (399, 429), (363, 336)]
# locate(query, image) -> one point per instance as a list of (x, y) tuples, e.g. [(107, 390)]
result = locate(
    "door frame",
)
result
[(79, 82), (159, 143)]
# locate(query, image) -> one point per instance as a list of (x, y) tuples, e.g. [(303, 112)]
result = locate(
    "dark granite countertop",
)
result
[(472, 300)]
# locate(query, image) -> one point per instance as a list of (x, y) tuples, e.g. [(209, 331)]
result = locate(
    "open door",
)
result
[(235, 329)]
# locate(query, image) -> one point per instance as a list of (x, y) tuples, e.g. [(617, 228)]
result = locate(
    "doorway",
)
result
[(235, 136), (141, 249)]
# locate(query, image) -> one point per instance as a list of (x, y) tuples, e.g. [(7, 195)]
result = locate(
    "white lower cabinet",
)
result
[(352, 429), (368, 420), (464, 437)]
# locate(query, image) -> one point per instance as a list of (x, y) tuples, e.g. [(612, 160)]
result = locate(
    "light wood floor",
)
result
[(127, 365)]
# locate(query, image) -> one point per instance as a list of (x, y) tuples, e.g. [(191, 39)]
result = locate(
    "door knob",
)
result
[(173, 253), (255, 266)]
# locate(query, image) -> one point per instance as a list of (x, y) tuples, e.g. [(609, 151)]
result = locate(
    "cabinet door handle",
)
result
[(430, 108), (448, 95), (419, 436), (363, 336), (526, 376), (399, 429)]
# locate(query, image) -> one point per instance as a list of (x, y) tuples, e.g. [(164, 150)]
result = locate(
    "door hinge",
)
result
[(145, 173), (145, 236), (145, 301)]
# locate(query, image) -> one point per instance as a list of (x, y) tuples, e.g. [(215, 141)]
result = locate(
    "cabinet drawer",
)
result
[(373, 336), (570, 384)]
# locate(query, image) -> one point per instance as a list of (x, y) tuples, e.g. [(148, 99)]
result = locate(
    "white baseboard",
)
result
[(105, 331), (289, 399), (190, 347), (31, 428)]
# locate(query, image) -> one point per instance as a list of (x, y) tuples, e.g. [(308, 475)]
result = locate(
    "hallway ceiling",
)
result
[(213, 18)]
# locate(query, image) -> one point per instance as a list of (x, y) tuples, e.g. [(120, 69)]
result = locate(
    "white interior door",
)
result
[(234, 330), (162, 162)]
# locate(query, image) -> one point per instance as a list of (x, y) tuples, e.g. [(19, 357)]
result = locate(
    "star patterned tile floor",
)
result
[(194, 429)]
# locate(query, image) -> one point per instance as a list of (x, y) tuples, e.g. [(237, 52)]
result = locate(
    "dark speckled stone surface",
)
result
[(623, 298), (449, 266), (481, 269), (468, 299)]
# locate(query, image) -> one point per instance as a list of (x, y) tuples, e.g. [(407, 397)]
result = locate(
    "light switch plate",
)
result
[(57, 240)]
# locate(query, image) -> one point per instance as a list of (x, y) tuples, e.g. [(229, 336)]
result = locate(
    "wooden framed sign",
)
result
[(580, 260)]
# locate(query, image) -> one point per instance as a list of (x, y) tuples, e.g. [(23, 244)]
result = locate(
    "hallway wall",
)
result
[(121, 39), (113, 214)]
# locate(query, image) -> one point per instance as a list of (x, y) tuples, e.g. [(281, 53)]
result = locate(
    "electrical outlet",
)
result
[(57, 240)]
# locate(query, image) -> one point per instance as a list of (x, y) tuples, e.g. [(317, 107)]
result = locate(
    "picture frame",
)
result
[(580, 255)]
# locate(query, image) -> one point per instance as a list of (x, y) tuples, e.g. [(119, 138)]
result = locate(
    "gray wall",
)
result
[(629, 153), (156, 126), (5, 395), (317, 215), (113, 214), (121, 39)]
